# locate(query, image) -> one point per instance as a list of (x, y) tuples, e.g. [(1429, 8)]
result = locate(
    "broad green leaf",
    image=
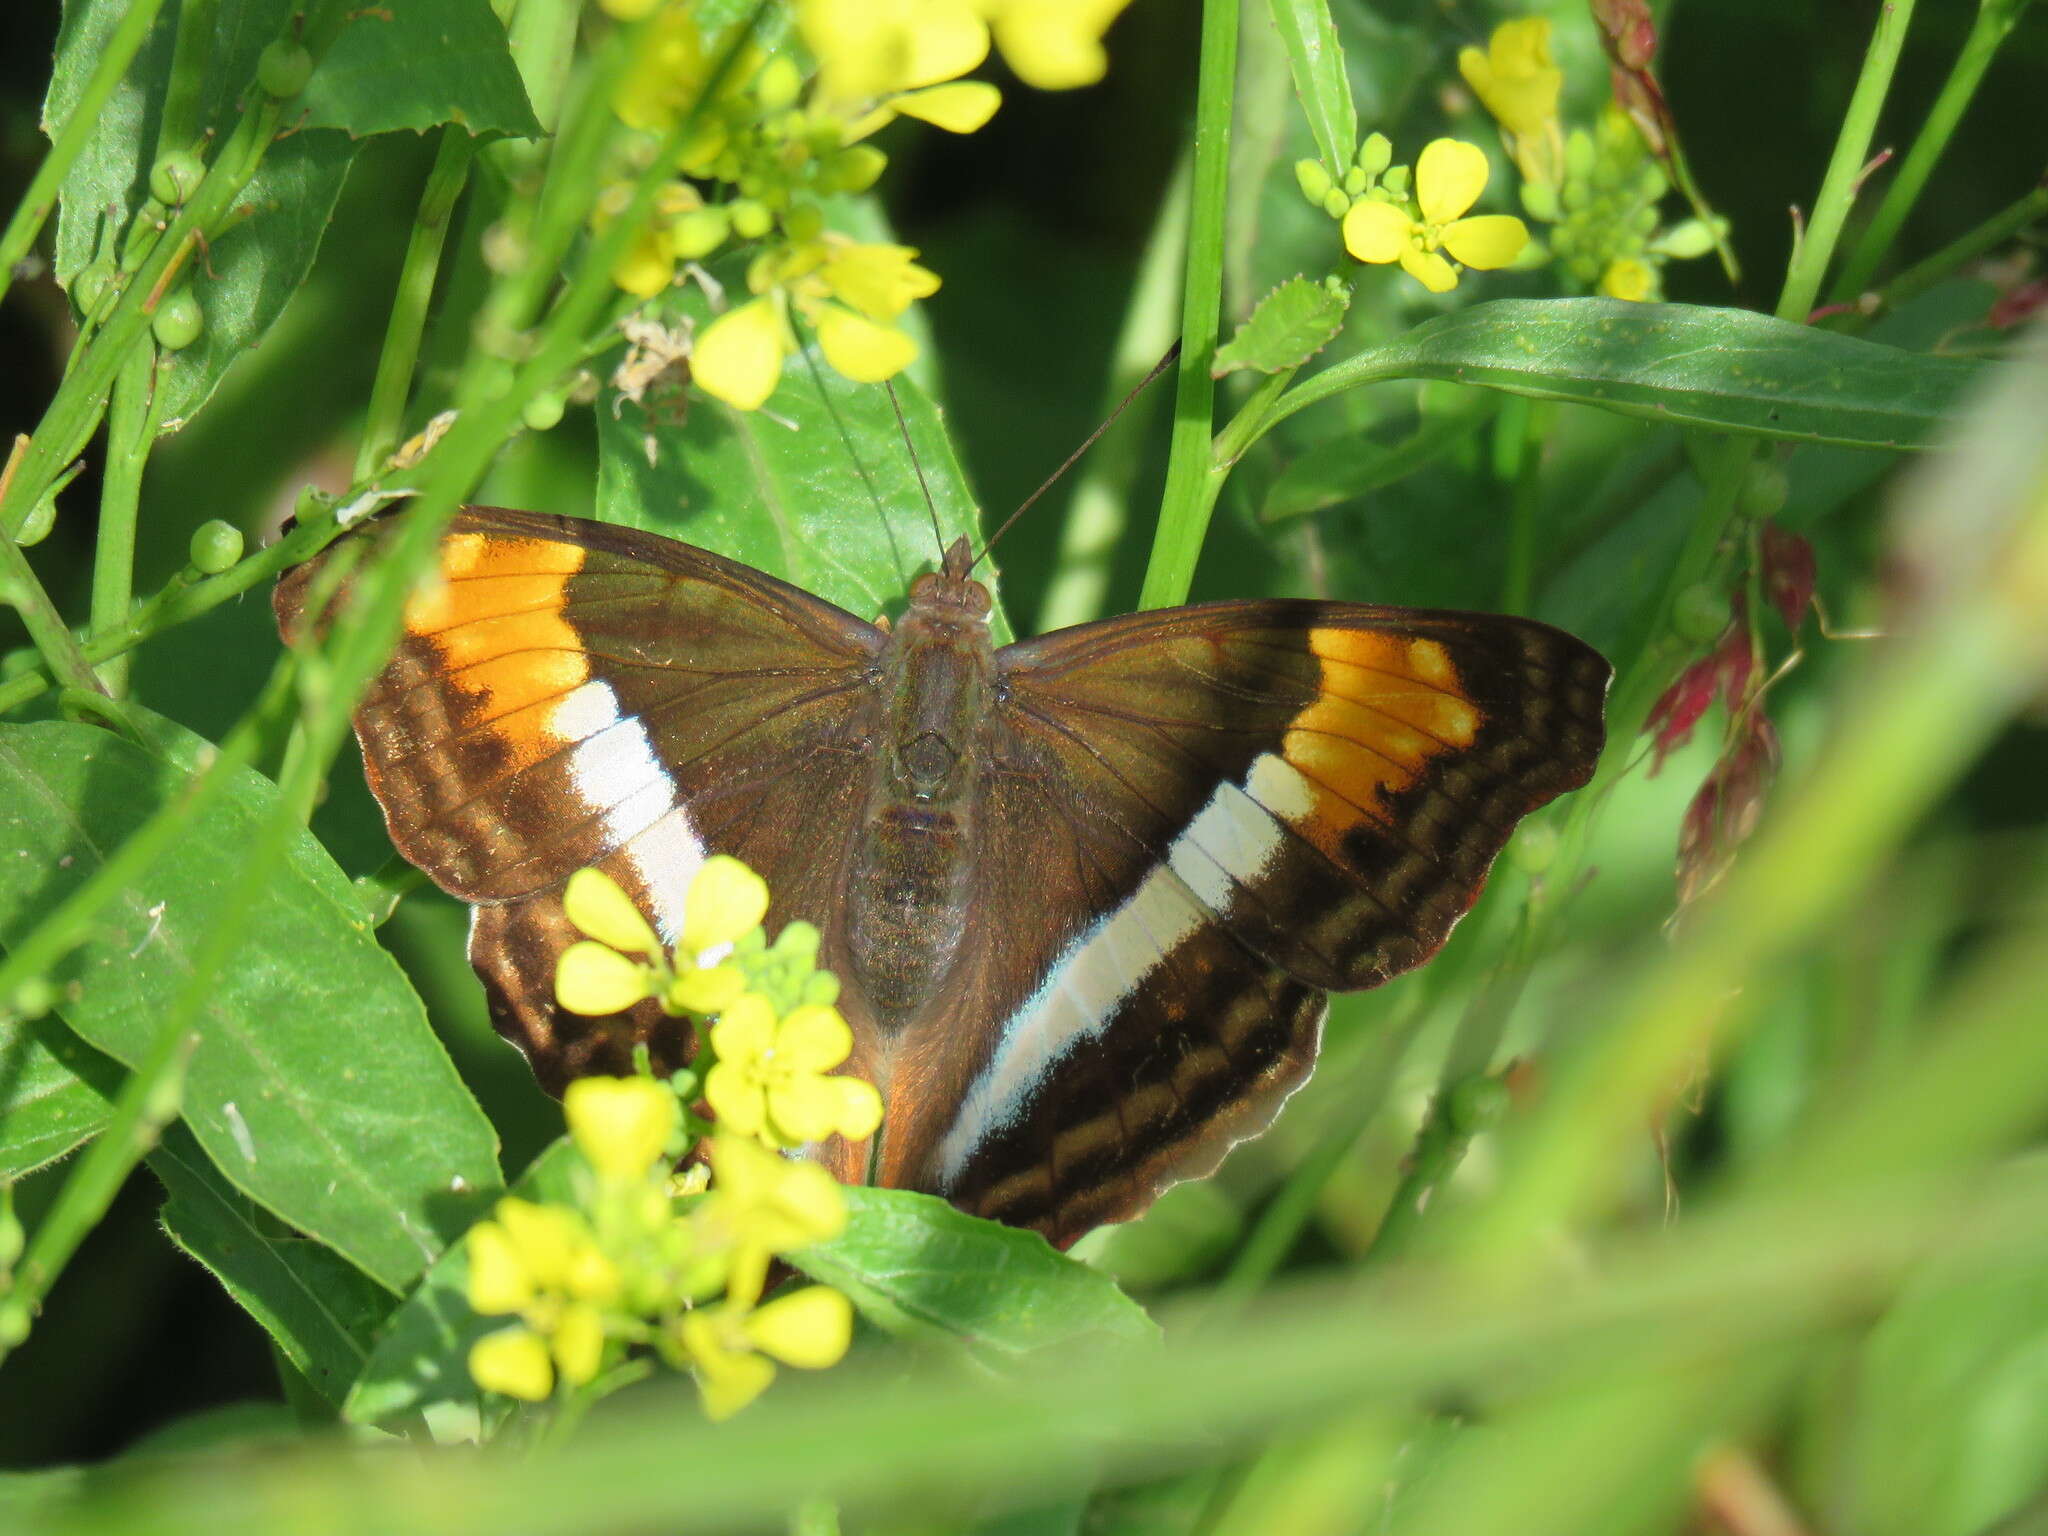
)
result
[(45, 1110), (319, 1309), (1291, 325), (317, 1087), (416, 65), (1353, 464), (421, 1361), (1316, 60), (914, 1265), (248, 273), (1686, 365), (817, 487)]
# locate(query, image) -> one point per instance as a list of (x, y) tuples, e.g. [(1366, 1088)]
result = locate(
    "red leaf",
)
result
[(1726, 809), (1788, 573)]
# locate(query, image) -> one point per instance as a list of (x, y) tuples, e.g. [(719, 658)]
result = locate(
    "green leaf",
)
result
[(45, 1110), (317, 1087), (319, 1309), (246, 275), (1316, 61), (1354, 464), (417, 65), (1686, 365), (914, 1265), (1291, 325), (421, 1362), (816, 488)]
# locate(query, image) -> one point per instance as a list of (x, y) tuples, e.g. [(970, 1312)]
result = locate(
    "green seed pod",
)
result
[(179, 320), (283, 68), (92, 285), (1700, 613), (1692, 238), (750, 218), (216, 546), (1375, 154), (1314, 181), (35, 528), (176, 176), (1764, 490), (543, 413), (1335, 203)]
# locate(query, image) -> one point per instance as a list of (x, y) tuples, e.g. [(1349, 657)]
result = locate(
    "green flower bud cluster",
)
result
[(786, 972), (1371, 176)]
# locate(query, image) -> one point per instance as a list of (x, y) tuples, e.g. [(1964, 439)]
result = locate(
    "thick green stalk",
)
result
[(1993, 232), (1188, 499), (542, 37), (20, 590), (178, 128), (385, 420), (34, 209), (131, 426), (1810, 257), (1995, 19)]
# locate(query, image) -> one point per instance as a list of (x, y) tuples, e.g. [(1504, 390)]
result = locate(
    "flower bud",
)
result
[(1313, 180), (1375, 154)]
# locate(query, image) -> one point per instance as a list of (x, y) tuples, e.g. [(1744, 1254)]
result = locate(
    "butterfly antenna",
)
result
[(1164, 363), (917, 465)]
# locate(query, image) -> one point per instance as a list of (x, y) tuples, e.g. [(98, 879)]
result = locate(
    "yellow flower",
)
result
[(578, 1343), (1628, 278), (861, 349), (738, 357), (810, 1329), (621, 1125), (499, 1280), (960, 106), (868, 49), (724, 900), (769, 1081), (600, 909), (1055, 45), (1519, 85), (767, 1203), (1449, 177), (881, 281), (513, 1361), (592, 977)]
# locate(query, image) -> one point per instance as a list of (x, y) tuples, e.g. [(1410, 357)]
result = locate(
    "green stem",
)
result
[(1995, 19), (1191, 490), (1845, 168), (385, 420), (147, 1102), (1994, 231), (131, 425), (1097, 515), (36, 204), (20, 590), (542, 38), (178, 128)]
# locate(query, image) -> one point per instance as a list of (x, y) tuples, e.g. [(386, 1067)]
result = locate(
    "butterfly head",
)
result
[(949, 596)]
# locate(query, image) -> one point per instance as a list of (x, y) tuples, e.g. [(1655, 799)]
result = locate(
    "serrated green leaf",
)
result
[(914, 1265), (319, 1309), (1686, 365), (421, 1361), (317, 1087), (1291, 325), (816, 488), (249, 272), (1316, 60), (417, 65)]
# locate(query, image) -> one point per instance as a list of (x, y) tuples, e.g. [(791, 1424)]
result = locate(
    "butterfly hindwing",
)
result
[(1195, 823)]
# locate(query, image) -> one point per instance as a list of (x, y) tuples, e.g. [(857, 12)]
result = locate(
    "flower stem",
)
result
[(385, 420), (1845, 167), (20, 590), (1995, 19), (33, 210), (1190, 494), (131, 428), (1994, 231)]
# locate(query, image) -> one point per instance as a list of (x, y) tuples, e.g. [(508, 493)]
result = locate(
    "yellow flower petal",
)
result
[(802, 1109), (1489, 241), (544, 1236), (738, 358), (727, 1379), (578, 1343), (860, 1107), (621, 1125), (591, 1276), (1377, 231), (597, 905), (881, 281), (705, 990), (513, 1361), (810, 1328), (647, 267), (592, 978), (961, 106), (1056, 45), (725, 897), (863, 350), (737, 1099), (869, 48), (1515, 77), (1430, 270), (813, 1038), (745, 1031), (1449, 176), (498, 1281)]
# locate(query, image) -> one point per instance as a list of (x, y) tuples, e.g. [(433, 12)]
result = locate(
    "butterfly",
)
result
[(1086, 894)]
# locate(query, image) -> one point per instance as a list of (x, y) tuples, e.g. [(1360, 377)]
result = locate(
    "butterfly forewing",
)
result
[(1194, 823)]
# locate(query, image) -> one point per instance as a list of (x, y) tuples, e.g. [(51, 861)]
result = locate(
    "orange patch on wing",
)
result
[(1412, 680)]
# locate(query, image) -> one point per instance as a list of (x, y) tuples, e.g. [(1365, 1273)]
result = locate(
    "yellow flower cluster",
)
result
[(625, 1268), (773, 145), (1385, 220)]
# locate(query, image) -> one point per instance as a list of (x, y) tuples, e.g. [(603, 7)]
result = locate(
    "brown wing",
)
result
[(571, 693), (1195, 823)]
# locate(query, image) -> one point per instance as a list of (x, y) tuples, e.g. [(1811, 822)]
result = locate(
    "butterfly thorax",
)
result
[(907, 901)]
